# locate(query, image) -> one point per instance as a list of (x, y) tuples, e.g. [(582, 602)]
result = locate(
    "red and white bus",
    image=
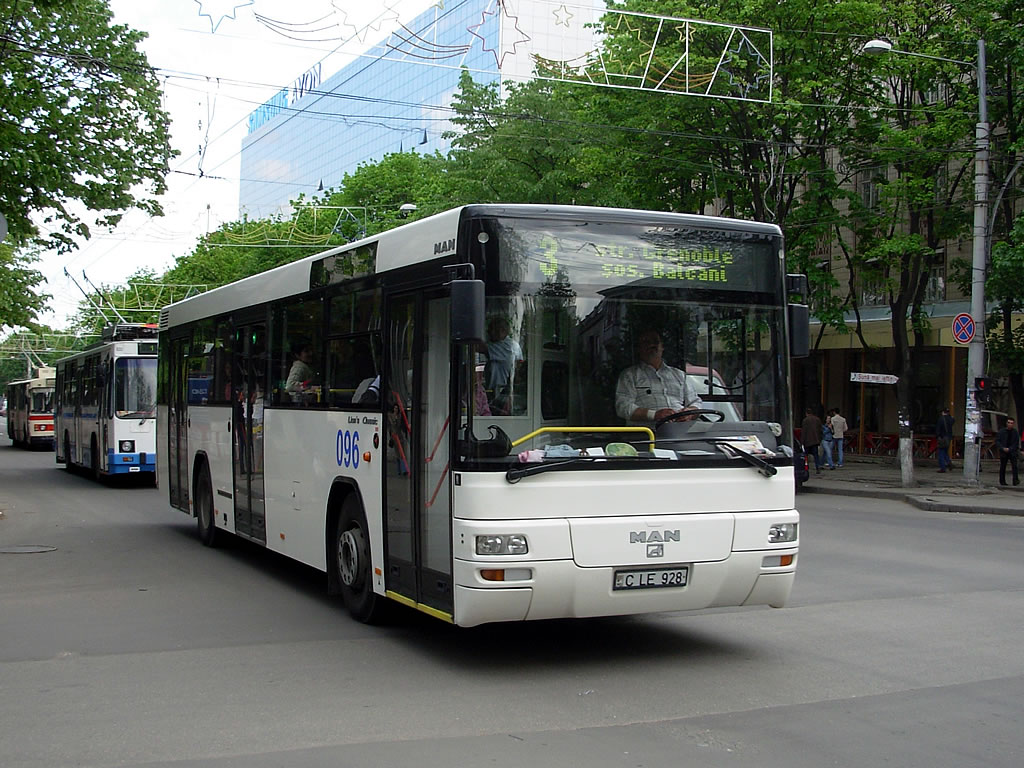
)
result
[(30, 410), (428, 415)]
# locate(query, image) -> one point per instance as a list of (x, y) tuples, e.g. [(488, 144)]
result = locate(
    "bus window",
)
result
[(135, 387), (297, 367)]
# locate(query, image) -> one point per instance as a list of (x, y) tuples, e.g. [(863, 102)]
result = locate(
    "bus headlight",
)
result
[(126, 446), (502, 544), (782, 532)]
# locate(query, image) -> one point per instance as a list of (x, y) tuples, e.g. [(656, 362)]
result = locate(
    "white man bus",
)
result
[(475, 505)]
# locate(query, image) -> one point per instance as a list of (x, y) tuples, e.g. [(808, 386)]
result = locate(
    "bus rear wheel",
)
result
[(352, 563), (206, 526)]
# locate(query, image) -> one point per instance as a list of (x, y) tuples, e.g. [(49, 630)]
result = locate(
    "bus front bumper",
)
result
[(125, 463), (561, 588)]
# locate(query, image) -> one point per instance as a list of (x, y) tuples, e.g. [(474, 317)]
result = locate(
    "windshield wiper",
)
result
[(760, 464), (515, 474)]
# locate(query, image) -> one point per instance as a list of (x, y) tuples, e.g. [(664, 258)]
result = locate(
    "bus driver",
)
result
[(650, 389)]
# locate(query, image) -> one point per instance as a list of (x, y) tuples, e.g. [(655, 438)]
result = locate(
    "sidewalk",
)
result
[(879, 478)]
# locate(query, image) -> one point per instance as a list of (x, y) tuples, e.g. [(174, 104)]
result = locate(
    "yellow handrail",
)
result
[(543, 430)]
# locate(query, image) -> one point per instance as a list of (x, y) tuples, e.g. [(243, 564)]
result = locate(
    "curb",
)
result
[(923, 502), (916, 499)]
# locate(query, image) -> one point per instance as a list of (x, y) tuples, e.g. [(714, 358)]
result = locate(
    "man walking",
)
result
[(1008, 442), (839, 427), (944, 438), (810, 436)]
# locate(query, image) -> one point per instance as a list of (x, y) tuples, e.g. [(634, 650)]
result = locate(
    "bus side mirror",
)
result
[(467, 311), (799, 330)]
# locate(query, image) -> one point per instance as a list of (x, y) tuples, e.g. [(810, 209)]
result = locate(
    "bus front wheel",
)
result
[(205, 524), (352, 563)]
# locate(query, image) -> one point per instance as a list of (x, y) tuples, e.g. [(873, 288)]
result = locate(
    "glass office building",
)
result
[(396, 96)]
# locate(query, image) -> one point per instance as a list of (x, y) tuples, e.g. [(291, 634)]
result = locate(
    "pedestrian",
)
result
[(943, 439), (1008, 442), (810, 436), (839, 427), (826, 441)]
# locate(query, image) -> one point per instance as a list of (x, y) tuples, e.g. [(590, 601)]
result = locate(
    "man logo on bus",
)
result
[(647, 537), (444, 246)]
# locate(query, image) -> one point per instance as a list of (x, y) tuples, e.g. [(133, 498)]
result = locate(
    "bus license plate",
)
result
[(651, 578)]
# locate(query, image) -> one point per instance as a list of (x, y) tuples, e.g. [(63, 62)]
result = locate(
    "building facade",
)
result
[(397, 95)]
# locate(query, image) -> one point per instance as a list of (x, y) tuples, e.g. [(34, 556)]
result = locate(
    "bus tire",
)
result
[(69, 465), (352, 563), (206, 527), (94, 459)]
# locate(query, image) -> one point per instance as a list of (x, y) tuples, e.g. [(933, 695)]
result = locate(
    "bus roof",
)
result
[(431, 238)]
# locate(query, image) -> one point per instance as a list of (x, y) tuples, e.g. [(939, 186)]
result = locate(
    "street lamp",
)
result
[(976, 348)]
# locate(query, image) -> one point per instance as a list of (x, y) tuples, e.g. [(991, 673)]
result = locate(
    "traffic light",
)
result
[(983, 389)]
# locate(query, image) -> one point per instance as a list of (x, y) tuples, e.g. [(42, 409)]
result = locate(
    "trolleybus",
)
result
[(30, 410), (105, 418), (429, 415)]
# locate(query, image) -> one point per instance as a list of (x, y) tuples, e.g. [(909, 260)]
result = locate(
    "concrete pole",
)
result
[(976, 349)]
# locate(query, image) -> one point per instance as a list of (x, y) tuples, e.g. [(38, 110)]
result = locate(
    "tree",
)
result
[(922, 164), (81, 127), (1005, 286), (20, 300)]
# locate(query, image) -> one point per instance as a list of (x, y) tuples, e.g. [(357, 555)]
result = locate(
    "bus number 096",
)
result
[(347, 448)]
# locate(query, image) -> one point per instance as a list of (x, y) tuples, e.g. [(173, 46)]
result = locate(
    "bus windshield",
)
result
[(42, 401), (135, 387), (598, 331)]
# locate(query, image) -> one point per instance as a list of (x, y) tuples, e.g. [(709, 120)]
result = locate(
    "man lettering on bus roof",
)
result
[(651, 389)]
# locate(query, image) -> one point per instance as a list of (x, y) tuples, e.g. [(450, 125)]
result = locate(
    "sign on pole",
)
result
[(963, 328), (874, 378)]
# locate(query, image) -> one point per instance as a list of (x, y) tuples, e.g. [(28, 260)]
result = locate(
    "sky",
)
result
[(217, 60)]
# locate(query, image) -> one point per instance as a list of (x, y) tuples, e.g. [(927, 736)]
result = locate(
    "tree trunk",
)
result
[(904, 390)]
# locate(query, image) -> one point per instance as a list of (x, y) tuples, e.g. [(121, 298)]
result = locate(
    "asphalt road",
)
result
[(129, 644)]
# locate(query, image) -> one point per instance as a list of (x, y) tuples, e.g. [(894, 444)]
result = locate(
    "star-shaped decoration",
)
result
[(750, 75), (685, 32), (361, 31), (562, 16), (506, 46), (641, 58), (218, 10)]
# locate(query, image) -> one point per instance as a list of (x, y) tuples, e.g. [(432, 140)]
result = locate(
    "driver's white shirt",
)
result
[(643, 386)]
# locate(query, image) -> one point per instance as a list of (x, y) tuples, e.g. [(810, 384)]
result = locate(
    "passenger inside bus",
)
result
[(651, 390), (504, 354), (300, 385)]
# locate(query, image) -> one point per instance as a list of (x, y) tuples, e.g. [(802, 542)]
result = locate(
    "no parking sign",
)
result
[(963, 328)]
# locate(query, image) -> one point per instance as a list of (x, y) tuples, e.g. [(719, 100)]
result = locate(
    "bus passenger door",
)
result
[(416, 475), (177, 424), (249, 387)]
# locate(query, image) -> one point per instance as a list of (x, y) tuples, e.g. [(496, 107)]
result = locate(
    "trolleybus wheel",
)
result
[(352, 563), (205, 524), (94, 460)]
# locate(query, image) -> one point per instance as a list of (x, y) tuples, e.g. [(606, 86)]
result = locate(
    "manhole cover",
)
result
[(26, 549)]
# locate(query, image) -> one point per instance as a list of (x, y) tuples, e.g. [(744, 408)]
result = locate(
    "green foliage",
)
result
[(1005, 286), (80, 122), (21, 302)]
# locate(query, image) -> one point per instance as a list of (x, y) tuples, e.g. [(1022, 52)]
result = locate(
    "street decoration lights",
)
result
[(976, 347)]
